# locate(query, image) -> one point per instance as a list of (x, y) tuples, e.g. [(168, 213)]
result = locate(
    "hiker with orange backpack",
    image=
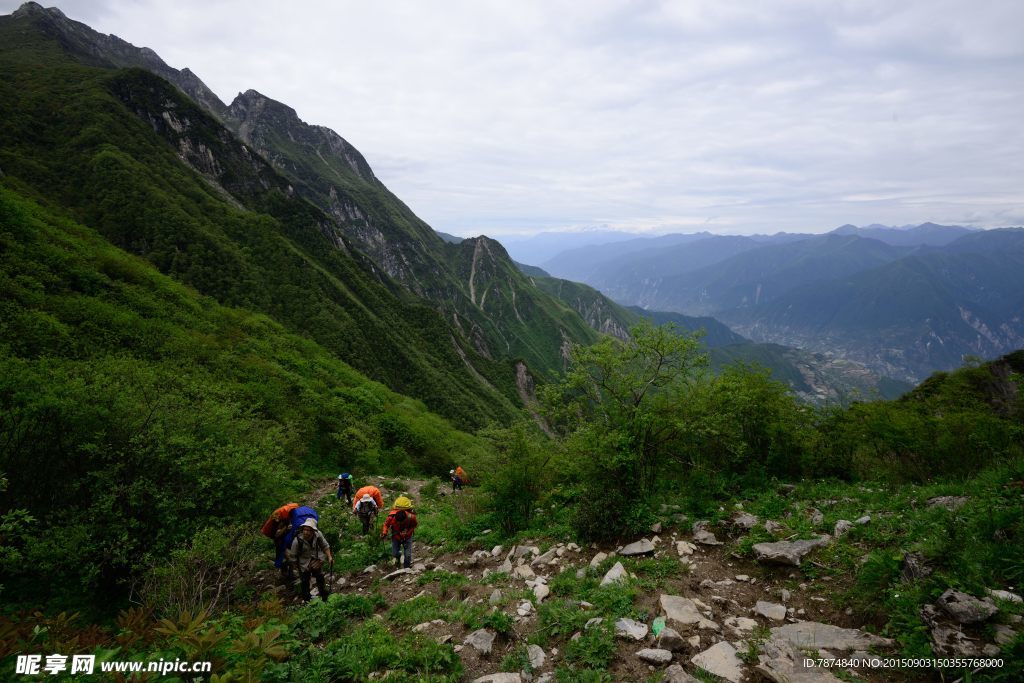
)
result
[(276, 529), (401, 523), (366, 504)]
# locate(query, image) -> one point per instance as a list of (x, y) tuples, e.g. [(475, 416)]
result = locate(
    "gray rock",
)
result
[(1004, 635), (503, 677), (1005, 595), (505, 567), (656, 528), (497, 550), (771, 526), (676, 674), (915, 567), (495, 597), (741, 626), (669, 639), (598, 559), (523, 571), (814, 635), (744, 520), (705, 537), (595, 621), (371, 569), (964, 608), (787, 552), (536, 656), (541, 591), (617, 574), (816, 516), (398, 572), (482, 641), (862, 520), (782, 662), (685, 548), (721, 660), (627, 628), (545, 558), (842, 526), (655, 656), (641, 547), (770, 610), (684, 611), (948, 502)]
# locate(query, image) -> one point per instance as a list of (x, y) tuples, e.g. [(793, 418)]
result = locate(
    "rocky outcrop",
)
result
[(787, 552)]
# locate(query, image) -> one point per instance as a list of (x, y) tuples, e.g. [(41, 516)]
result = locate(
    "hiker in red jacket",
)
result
[(401, 522)]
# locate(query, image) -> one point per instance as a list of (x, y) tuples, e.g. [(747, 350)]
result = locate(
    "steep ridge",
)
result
[(128, 154)]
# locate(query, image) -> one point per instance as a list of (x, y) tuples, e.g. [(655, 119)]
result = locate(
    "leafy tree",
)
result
[(617, 409)]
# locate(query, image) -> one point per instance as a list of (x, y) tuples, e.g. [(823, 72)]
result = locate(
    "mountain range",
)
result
[(904, 301)]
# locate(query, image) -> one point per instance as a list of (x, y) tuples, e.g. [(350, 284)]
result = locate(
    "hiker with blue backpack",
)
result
[(345, 487)]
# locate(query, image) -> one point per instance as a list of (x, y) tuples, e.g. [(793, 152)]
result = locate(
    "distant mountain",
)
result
[(926, 234), (587, 263), (909, 317), (542, 246), (757, 275)]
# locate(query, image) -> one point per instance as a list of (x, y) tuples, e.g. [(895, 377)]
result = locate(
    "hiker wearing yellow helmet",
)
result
[(401, 523)]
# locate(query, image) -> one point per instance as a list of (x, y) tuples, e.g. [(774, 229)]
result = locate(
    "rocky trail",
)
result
[(740, 619)]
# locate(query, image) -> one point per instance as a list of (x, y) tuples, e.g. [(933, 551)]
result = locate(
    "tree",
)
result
[(615, 409)]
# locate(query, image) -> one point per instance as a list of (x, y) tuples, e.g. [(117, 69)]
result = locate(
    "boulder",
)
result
[(669, 639), (627, 628), (684, 611), (782, 662), (655, 656), (787, 552), (814, 635), (862, 520), (497, 550), (641, 547), (616, 574), (536, 655), (721, 660), (705, 537), (770, 610), (482, 641), (1005, 595), (842, 526), (503, 677), (744, 520), (598, 559), (948, 502), (677, 674), (495, 597), (541, 591), (741, 626), (505, 567), (523, 571), (685, 548), (964, 608)]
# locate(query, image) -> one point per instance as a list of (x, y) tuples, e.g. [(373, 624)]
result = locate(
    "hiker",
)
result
[(461, 474), (307, 554), (368, 502), (456, 481), (345, 487), (401, 522), (276, 529)]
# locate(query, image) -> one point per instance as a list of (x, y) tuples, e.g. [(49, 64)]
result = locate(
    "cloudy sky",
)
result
[(516, 117)]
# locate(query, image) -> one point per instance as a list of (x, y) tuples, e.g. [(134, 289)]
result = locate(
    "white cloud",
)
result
[(503, 117)]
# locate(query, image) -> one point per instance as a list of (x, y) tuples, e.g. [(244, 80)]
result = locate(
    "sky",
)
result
[(510, 118)]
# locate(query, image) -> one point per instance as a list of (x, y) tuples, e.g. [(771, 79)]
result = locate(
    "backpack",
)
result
[(366, 507)]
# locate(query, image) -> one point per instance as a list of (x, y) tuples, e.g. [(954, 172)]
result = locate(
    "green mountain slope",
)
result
[(136, 412), (128, 154)]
